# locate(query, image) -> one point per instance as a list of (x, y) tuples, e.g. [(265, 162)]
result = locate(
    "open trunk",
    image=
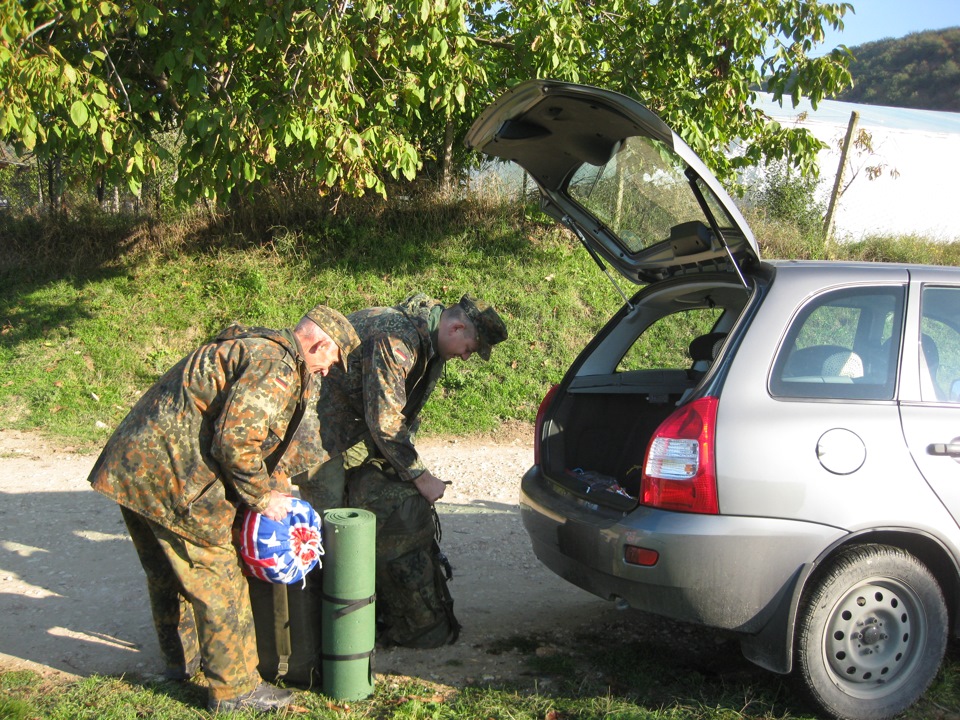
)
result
[(648, 361)]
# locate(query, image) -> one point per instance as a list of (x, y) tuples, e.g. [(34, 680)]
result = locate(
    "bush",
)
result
[(781, 193)]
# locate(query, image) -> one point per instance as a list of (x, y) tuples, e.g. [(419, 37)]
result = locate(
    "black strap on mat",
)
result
[(351, 605), (281, 629)]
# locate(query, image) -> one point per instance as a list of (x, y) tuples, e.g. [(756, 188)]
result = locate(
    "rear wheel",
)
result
[(872, 633)]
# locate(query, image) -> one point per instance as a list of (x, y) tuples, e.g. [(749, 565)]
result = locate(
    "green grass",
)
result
[(85, 332), (94, 308), (608, 673)]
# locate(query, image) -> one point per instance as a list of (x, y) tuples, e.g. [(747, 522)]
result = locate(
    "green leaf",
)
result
[(346, 60), (106, 139), (29, 138), (332, 175), (264, 32), (352, 148), (79, 114)]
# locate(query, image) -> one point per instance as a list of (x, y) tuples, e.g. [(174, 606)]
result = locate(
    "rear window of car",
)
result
[(843, 344), (643, 193), (939, 345)]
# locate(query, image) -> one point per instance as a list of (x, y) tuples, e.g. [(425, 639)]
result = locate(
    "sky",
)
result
[(873, 20)]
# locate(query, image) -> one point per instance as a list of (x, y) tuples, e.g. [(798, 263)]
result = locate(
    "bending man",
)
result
[(202, 442), (366, 420)]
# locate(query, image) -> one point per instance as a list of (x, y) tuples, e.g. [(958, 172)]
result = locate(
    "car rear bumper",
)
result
[(716, 570)]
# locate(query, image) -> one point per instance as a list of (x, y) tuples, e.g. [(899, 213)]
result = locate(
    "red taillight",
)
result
[(679, 471), (538, 427)]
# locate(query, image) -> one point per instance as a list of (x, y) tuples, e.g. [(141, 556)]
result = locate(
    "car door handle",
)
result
[(949, 449)]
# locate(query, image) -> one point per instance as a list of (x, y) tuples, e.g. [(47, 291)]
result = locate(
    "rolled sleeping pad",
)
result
[(348, 610)]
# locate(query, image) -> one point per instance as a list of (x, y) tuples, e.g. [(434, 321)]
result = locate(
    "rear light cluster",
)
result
[(679, 472), (538, 427)]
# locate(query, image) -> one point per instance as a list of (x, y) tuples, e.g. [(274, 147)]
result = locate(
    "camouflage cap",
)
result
[(338, 328), (490, 327)]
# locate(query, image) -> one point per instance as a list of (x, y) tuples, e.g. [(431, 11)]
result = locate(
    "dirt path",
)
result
[(72, 594)]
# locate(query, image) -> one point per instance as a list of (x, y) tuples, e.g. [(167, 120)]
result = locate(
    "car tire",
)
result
[(872, 632)]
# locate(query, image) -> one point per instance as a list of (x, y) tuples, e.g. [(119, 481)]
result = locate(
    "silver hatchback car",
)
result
[(766, 447)]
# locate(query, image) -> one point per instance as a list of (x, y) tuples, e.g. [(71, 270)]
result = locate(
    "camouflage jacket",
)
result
[(380, 398), (206, 438)]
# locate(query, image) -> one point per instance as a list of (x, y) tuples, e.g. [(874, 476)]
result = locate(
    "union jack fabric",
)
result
[(282, 551)]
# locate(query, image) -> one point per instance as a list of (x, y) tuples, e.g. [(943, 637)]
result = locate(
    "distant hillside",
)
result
[(920, 70)]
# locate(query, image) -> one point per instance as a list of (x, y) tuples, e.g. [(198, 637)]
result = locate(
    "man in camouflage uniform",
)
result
[(204, 441), (366, 420)]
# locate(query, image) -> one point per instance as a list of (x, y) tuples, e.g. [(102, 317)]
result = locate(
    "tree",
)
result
[(329, 91), (697, 63), (346, 97)]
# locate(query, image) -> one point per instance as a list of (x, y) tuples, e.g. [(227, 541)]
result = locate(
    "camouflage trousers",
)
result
[(201, 607)]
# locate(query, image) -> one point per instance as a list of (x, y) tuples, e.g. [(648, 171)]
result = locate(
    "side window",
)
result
[(939, 344), (843, 344), (665, 344)]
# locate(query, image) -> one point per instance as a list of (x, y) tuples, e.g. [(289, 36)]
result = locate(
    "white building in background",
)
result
[(921, 197)]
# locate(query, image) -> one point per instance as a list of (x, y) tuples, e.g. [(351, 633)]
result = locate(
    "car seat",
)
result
[(703, 351), (844, 364), (930, 356)]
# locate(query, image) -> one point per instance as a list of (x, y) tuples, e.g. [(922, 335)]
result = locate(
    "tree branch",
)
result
[(502, 44), (113, 69), (40, 29)]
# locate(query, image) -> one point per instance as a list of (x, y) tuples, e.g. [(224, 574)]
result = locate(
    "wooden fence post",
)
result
[(838, 183)]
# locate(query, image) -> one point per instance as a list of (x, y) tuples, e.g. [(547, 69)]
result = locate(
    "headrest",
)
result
[(930, 352), (706, 347), (843, 364)]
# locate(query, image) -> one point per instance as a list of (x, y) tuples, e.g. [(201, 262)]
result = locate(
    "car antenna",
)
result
[(570, 223)]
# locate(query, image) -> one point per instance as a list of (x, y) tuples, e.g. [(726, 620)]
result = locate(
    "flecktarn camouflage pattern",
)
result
[(365, 423), (203, 441), (200, 442)]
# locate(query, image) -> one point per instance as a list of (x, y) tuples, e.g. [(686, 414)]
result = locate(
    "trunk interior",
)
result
[(599, 432)]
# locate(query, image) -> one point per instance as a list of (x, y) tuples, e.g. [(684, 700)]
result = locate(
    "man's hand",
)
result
[(430, 486), (278, 506)]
